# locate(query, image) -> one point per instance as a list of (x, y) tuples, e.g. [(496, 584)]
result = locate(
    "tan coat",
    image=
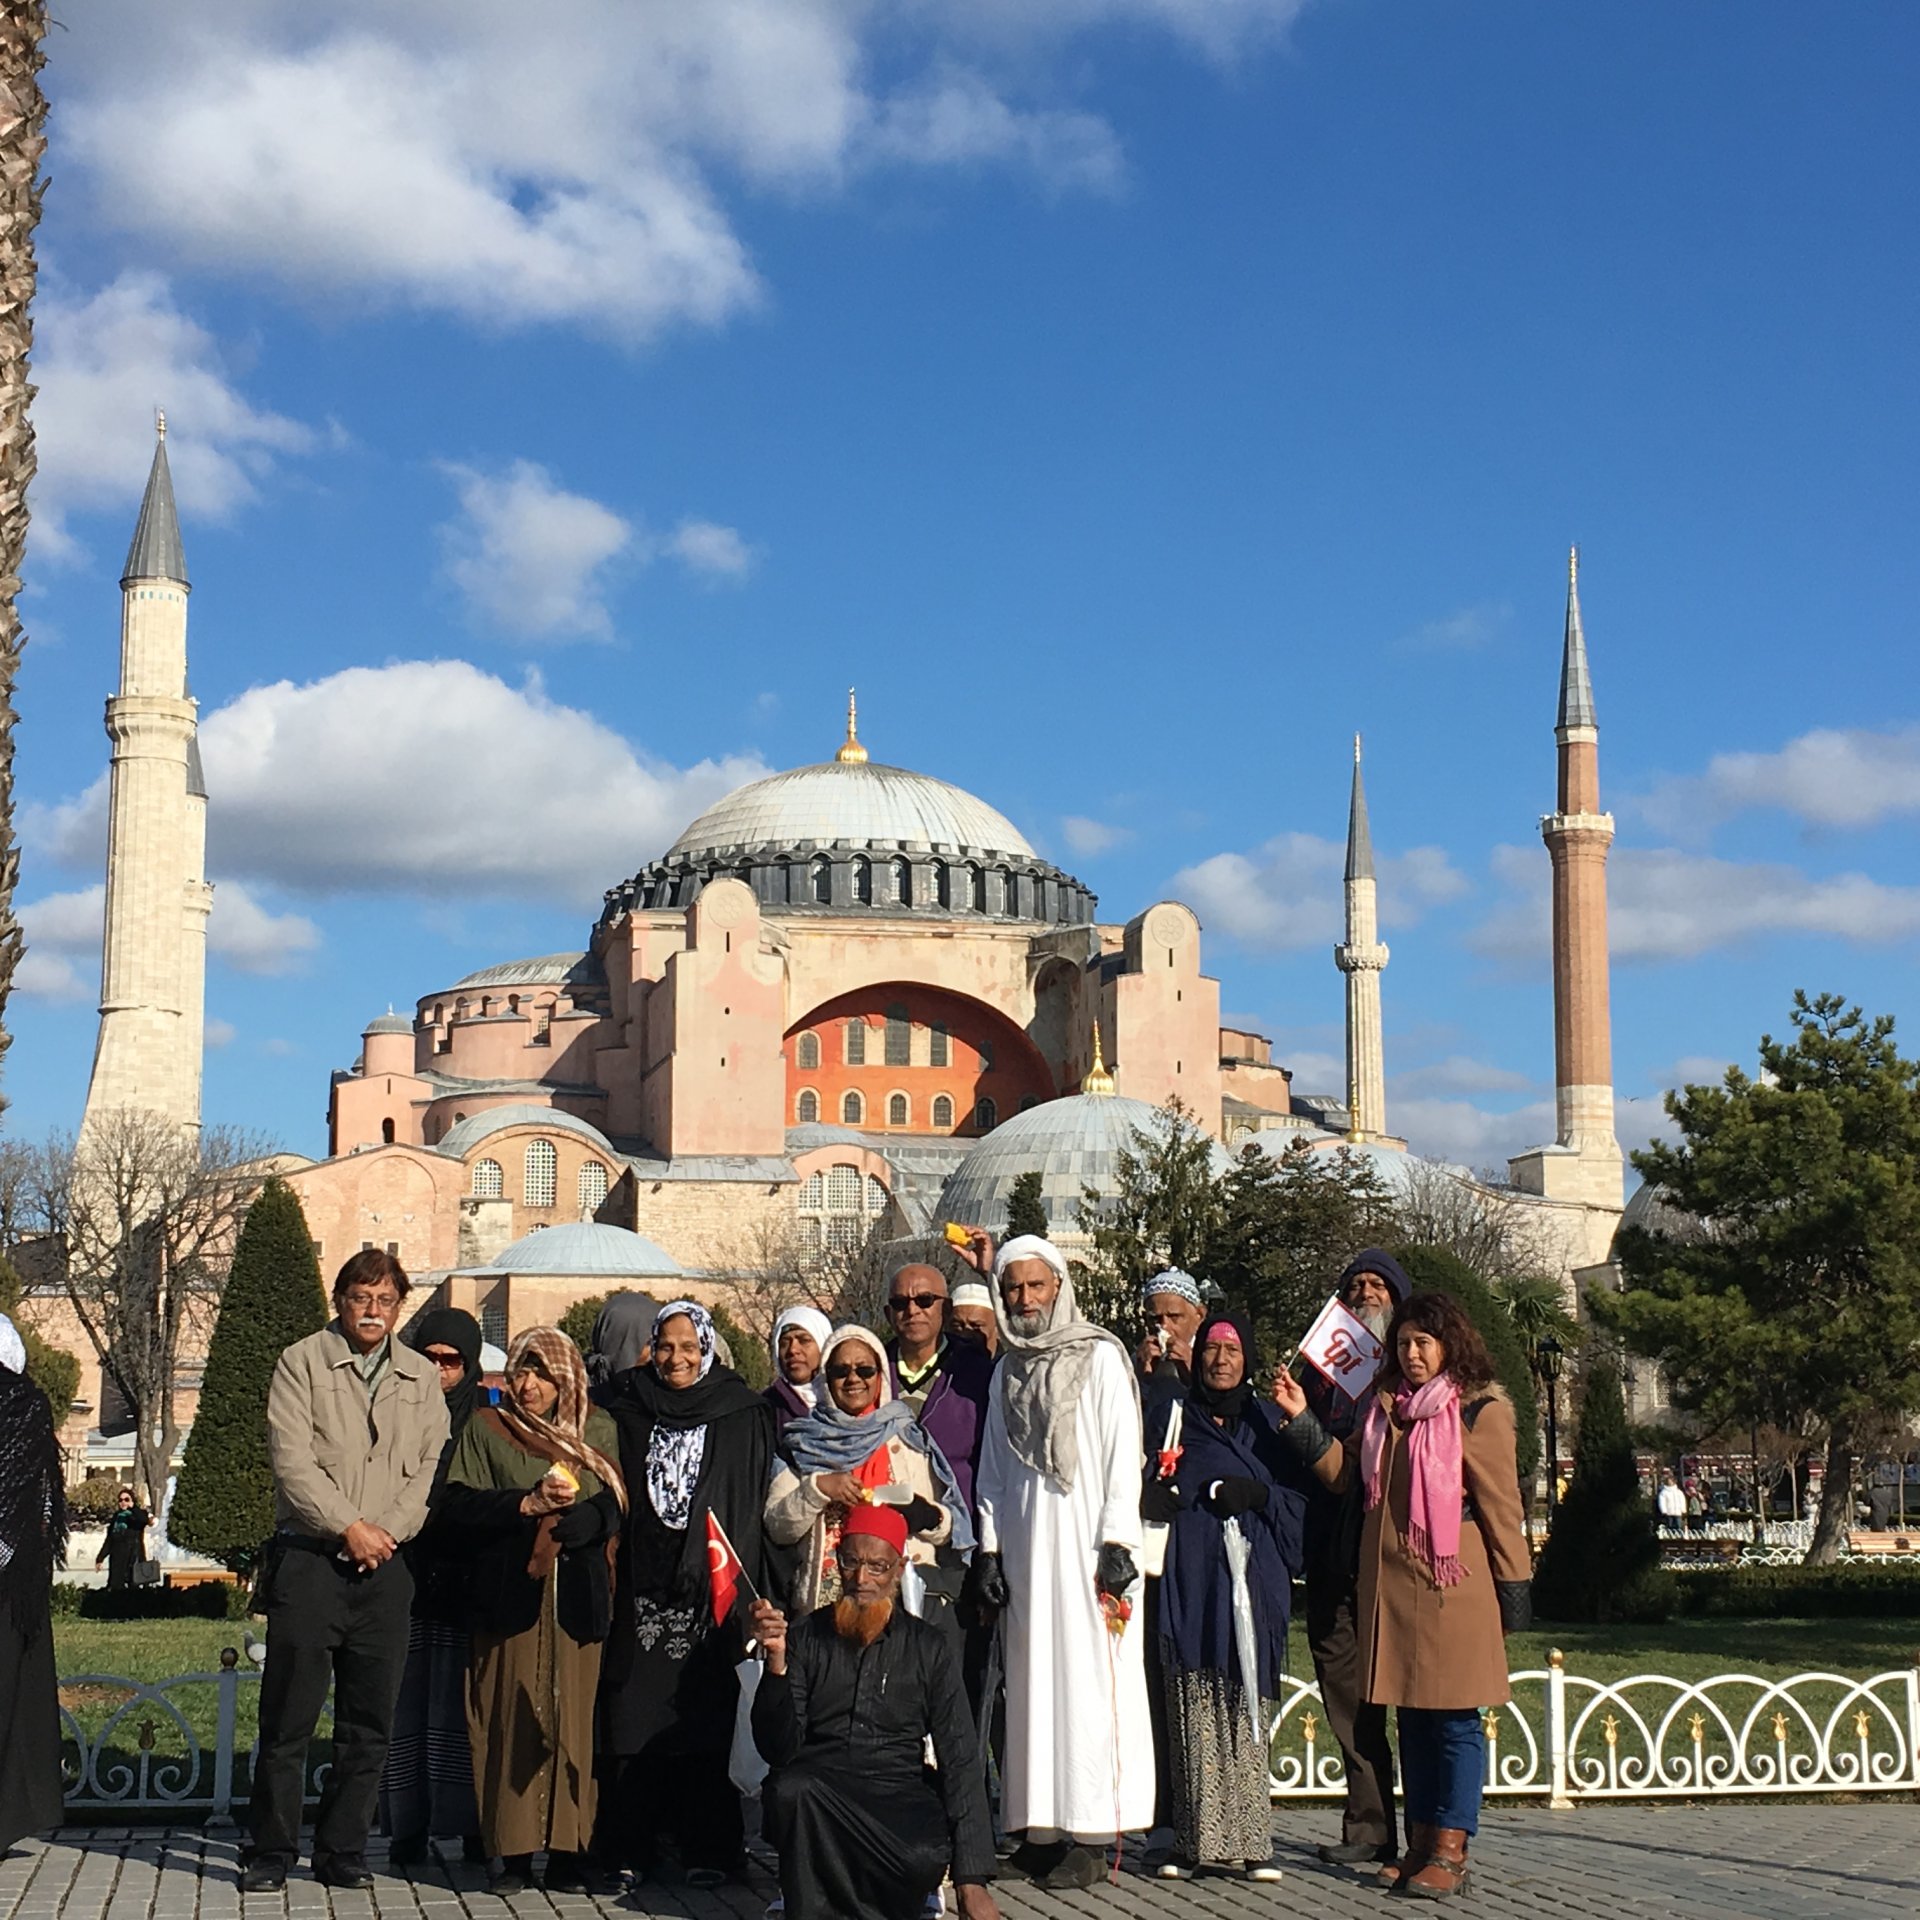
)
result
[(1429, 1646)]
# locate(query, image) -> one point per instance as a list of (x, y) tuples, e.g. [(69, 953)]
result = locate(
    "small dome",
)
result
[(1074, 1143), (589, 1250), (543, 970), (461, 1138), (388, 1022)]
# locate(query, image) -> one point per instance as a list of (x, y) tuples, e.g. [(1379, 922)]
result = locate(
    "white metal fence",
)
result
[(1565, 1738)]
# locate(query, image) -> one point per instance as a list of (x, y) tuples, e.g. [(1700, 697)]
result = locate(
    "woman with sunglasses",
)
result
[(859, 1445)]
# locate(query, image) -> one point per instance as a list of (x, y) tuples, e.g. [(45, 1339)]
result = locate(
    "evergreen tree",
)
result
[(1602, 1560), (1786, 1288), (577, 1322), (1026, 1211), (1165, 1212), (54, 1370), (223, 1505)]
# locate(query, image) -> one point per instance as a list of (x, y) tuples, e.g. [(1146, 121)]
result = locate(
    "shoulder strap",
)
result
[(1472, 1409)]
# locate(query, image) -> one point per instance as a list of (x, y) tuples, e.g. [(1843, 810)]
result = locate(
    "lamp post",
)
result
[(1759, 1499), (1546, 1358)]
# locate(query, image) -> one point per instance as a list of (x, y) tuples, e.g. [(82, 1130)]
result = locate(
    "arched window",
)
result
[(806, 1053), (856, 1043), (936, 1045), (876, 1195), (542, 1175), (942, 883), (593, 1186), (863, 881), (852, 1109), (942, 1112), (986, 1116), (986, 1056), (901, 873), (899, 1038), (813, 1192), (386, 1133), (1028, 1101), (487, 1181), (896, 1110), (843, 1189), (821, 875), (807, 1108), (977, 889)]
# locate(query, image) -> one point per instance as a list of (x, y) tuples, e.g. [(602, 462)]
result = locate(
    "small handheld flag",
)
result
[(1342, 1349), (725, 1573)]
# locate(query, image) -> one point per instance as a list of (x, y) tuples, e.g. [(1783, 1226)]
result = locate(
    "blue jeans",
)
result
[(1443, 1762)]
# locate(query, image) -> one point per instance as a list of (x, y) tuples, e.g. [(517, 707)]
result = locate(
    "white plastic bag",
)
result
[(1154, 1535), (745, 1768)]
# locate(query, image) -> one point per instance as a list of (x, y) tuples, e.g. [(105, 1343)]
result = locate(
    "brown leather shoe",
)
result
[(1445, 1872), (1419, 1844)]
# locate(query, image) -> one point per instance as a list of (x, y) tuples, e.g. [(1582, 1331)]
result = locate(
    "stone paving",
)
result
[(1707, 1862)]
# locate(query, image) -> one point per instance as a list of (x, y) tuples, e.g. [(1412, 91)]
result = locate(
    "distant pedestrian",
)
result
[(33, 1541), (1672, 1504), (126, 1543), (355, 1426)]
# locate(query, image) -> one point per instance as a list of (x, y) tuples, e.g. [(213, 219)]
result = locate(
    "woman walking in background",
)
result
[(33, 1540), (535, 1489), (1236, 1503), (426, 1790), (1444, 1569), (126, 1543), (695, 1440)]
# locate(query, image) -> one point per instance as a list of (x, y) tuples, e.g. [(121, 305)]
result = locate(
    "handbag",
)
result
[(1156, 1533), (745, 1768), (146, 1573)]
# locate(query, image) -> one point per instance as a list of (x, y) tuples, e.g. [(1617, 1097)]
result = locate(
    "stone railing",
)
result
[(1565, 1738)]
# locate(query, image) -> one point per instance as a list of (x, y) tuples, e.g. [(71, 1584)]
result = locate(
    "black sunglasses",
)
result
[(841, 1370), (921, 1300)]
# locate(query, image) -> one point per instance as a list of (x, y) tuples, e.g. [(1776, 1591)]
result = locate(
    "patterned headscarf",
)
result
[(561, 1435), (675, 1455), (1181, 1284)]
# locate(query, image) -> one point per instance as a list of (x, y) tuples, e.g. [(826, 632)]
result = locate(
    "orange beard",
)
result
[(862, 1624)]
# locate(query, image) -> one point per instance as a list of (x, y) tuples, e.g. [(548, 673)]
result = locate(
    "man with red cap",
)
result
[(864, 1828)]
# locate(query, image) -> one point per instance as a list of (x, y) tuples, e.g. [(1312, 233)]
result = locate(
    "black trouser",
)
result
[(327, 1622), (852, 1846), (1359, 1727)]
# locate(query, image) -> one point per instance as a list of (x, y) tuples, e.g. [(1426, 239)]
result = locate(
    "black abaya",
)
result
[(33, 1524)]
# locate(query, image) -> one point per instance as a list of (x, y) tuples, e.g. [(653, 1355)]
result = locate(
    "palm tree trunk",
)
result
[(23, 140)]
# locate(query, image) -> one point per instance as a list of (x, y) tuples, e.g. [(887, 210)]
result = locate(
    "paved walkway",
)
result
[(1775, 1862)]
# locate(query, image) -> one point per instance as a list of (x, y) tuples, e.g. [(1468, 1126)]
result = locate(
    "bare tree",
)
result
[(1484, 1228), (141, 1220), (23, 140)]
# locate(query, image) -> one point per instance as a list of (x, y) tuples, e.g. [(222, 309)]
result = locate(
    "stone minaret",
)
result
[(1585, 1162), (1361, 957), (154, 960)]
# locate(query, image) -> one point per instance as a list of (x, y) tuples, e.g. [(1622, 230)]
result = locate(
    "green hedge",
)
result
[(208, 1600), (1850, 1591)]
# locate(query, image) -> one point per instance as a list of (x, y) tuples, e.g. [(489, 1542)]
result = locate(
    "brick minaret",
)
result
[(154, 953), (1585, 1163), (1361, 957)]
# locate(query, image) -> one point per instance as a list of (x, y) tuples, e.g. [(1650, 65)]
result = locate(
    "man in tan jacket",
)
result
[(356, 1423)]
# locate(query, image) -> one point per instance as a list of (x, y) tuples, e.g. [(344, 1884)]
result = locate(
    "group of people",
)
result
[(990, 1535)]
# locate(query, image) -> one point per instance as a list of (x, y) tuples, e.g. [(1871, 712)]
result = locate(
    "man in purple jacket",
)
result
[(944, 1381)]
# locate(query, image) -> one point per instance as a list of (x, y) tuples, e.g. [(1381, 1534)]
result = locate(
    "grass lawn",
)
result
[(1693, 1649)]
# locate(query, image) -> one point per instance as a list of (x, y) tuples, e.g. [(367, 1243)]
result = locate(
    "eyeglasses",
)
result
[(446, 1362), (924, 1301), (381, 1300), (844, 1371)]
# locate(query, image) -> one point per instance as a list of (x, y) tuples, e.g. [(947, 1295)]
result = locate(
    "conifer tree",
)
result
[(223, 1505), (52, 1369), (1026, 1211), (1602, 1560)]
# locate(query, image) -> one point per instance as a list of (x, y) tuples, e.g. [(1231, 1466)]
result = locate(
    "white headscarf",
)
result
[(13, 1350), (808, 1320), (1045, 1373)]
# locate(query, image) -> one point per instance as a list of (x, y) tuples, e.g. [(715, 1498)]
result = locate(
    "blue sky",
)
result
[(1135, 397)]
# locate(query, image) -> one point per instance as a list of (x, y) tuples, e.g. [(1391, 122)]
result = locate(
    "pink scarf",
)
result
[(1432, 1420)]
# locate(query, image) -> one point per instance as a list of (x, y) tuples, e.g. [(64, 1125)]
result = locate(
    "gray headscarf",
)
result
[(1044, 1374), (620, 1334)]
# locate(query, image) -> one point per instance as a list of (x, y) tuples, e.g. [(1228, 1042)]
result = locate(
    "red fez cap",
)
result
[(884, 1523)]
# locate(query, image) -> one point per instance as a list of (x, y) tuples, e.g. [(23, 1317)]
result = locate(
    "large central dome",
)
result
[(856, 803)]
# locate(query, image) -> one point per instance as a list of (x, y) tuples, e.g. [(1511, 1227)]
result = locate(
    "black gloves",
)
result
[(986, 1591), (1159, 1501), (1114, 1572), (577, 1525), (921, 1515), (1516, 1604), (1235, 1494), (1305, 1436)]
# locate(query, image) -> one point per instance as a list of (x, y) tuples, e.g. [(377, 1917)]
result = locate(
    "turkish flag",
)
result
[(724, 1571)]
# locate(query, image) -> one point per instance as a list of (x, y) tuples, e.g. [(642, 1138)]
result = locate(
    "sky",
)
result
[(1135, 398)]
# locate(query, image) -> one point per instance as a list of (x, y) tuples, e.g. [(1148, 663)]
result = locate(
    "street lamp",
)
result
[(1546, 1359)]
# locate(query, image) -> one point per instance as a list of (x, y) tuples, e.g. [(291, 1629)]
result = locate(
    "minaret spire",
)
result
[(1576, 683), (1362, 958), (156, 552), (1098, 1081), (852, 753)]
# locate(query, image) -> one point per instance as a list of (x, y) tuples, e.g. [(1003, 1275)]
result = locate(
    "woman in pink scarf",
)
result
[(1444, 1567)]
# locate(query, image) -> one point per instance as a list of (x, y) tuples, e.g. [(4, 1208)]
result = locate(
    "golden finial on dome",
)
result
[(852, 753), (1098, 1080)]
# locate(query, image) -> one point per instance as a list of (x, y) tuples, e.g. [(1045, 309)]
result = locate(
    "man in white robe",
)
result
[(1059, 1499)]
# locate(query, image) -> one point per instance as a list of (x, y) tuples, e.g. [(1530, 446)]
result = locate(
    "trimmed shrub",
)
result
[(93, 1502), (223, 1505), (205, 1600), (1853, 1590), (1602, 1560), (54, 1370), (577, 1322)]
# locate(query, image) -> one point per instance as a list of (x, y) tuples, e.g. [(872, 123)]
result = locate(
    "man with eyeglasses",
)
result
[(355, 1424), (945, 1381)]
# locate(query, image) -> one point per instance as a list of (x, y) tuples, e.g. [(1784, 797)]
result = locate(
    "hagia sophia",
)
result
[(848, 998)]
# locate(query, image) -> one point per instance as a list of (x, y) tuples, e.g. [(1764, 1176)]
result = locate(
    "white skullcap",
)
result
[(973, 1293), (1174, 1281), (1029, 1246)]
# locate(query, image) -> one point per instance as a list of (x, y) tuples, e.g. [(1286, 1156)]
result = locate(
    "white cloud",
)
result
[(1831, 777), (530, 557), (1091, 837), (1466, 631), (440, 156), (1459, 1074), (64, 929), (1664, 904), (220, 1033), (251, 939), (105, 362), (62, 933), (706, 547), (493, 792), (1467, 1135), (44, 975), (1287, 893)]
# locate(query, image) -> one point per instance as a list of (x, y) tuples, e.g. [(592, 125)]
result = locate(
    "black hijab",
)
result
[(33, 1503), (450, 1327), (1235, 1403)]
